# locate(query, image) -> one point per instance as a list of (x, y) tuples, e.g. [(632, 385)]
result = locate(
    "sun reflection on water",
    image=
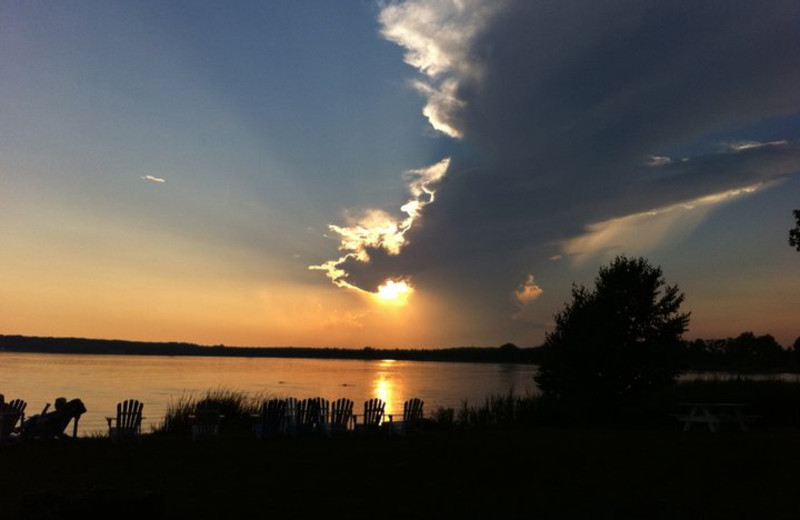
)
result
[(385, 385)]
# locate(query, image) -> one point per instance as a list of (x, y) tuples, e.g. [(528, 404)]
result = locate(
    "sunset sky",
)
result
[(411, 174)]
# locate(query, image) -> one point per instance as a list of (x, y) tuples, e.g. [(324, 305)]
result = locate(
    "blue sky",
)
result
[(172, 170)]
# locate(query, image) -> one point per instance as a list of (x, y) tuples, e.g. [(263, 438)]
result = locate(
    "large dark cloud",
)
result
[(582, 111)]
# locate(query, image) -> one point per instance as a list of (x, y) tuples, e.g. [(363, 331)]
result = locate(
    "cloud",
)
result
[(573, 113), (740, 146), (375, 231), (437, 36), (565, 99), (657, 160), (151, 178), (528, 291), (641, 232)]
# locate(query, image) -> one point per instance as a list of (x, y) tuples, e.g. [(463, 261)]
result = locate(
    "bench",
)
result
[(714, 415)]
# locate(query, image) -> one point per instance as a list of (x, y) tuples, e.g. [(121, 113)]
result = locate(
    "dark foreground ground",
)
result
[(538, 474)]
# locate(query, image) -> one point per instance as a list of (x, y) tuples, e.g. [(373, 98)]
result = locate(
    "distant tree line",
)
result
[(507, 353), (744, 353)]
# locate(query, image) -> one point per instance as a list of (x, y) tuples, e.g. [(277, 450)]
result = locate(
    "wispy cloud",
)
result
[(657, 160), (151, 178), (641, 232), (740, 146)]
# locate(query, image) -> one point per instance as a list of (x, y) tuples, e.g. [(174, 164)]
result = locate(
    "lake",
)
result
[(101, 381)]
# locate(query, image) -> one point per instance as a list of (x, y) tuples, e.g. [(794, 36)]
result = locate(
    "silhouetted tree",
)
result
[(617, 342), (794, 233), (794, 353)]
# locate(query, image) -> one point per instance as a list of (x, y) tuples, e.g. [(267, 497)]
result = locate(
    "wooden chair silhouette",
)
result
[(270, 419), (206, 419), (128, 422), (341, 416), (312, 415), (373, 416), (20, 406), (412, 418), (9, 417), (290, 418), (323, 414)]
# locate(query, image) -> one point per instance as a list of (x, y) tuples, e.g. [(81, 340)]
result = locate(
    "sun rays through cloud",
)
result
[(377, 230), (641, 232)]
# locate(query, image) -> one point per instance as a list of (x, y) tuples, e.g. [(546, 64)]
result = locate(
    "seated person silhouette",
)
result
[(51, 425)]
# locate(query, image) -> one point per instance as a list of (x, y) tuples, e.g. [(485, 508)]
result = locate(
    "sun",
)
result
[(394, 291)]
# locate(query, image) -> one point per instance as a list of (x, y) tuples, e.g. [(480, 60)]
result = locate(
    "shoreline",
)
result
[(54, 345)]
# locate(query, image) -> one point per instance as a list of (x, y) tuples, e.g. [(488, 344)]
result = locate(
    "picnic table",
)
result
[(714, 415)]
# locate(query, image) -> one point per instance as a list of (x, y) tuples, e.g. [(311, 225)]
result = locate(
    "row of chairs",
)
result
[(314, 416), (277, 417)]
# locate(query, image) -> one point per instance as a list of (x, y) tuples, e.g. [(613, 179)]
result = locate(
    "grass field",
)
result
[(516, 473)]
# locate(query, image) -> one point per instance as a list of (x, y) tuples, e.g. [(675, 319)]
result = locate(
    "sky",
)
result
[(394, 174)]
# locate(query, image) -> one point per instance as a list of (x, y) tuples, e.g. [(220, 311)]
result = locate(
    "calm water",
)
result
[(102, 381)]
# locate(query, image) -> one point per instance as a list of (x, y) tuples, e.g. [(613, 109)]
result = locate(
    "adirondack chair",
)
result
[(323, 414), (128, 421), (271, 419), (9, 417), (312, 415), (206, 419), (305, 415), (373, 416), (291, 417), (412, 418), (340, 417), (19, 405)]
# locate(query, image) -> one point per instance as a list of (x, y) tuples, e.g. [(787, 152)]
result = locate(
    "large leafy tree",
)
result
[(619, 341), (794, 233)]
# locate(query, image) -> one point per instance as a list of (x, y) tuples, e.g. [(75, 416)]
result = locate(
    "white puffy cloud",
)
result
[(438, 36), (528, 291)]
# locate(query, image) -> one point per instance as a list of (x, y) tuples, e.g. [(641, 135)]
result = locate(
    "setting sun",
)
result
[(397, 292)]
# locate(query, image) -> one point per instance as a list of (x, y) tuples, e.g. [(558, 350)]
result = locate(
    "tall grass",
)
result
[(773, 402), (502, 410), (236, 407)]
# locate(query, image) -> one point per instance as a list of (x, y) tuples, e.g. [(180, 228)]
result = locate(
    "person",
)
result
[(52, 424)]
